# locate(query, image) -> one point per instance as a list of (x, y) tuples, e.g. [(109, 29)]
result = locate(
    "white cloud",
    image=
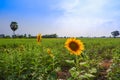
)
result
[(85, 7), (85, 17)]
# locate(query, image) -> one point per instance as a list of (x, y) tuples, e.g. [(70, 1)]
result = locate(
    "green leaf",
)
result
[(74, 73), (83, 63), (58, 69), (52, 76), (93, 70), (70, 61), (89, 75)]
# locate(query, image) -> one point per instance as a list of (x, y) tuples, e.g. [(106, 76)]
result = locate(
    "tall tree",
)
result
[(115, 33), (14, 27)]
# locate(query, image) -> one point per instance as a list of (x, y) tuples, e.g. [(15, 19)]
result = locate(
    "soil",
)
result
[(64, 74), (104, 66)]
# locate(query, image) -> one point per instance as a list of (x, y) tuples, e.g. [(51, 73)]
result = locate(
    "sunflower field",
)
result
[(60, 59)]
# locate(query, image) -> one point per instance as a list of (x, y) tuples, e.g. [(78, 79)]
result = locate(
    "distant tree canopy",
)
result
[(50, 36), (115, 33), (2, 35), (14, 27)]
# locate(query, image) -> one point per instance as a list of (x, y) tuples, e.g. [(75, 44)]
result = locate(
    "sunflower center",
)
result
[(74, 46)]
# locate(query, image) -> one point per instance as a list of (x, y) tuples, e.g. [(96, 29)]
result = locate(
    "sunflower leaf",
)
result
[(70, 61)]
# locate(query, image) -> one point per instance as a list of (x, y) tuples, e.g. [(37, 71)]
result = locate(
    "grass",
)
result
[(24, 59)]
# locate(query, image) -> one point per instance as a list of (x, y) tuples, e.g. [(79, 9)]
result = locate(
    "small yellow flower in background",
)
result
[(74, 46), (39, 37), (49, 52), (52, 56)]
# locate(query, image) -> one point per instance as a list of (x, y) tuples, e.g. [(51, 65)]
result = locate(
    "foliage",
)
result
[(24, 59), (115, 33), (50, 36), (14, 26)]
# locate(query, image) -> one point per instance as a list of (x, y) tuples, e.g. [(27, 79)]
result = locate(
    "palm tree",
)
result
[(14, 27)]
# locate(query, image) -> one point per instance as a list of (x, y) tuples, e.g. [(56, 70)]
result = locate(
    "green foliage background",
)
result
[(24, 59)]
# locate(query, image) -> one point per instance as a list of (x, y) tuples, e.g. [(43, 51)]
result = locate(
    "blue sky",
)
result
[(64, 17)]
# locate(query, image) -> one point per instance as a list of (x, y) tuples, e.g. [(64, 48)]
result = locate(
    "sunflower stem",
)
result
[(77, 63), (53, 63)]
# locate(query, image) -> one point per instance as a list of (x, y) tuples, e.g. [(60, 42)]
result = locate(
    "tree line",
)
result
[(14, 27)]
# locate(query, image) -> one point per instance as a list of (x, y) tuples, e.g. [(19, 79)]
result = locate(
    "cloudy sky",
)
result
[(63, 17)]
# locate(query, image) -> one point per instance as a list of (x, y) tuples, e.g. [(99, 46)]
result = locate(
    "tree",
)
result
[(50, 36), (25, 35), (115, 33), (14, 27), (29, 35)]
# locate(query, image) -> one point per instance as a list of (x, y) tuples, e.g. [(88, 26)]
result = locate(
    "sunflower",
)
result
[(39, 37), (74, 46), (50, 53)]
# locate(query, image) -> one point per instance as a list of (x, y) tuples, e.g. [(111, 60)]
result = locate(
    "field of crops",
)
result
[(25, 59)]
